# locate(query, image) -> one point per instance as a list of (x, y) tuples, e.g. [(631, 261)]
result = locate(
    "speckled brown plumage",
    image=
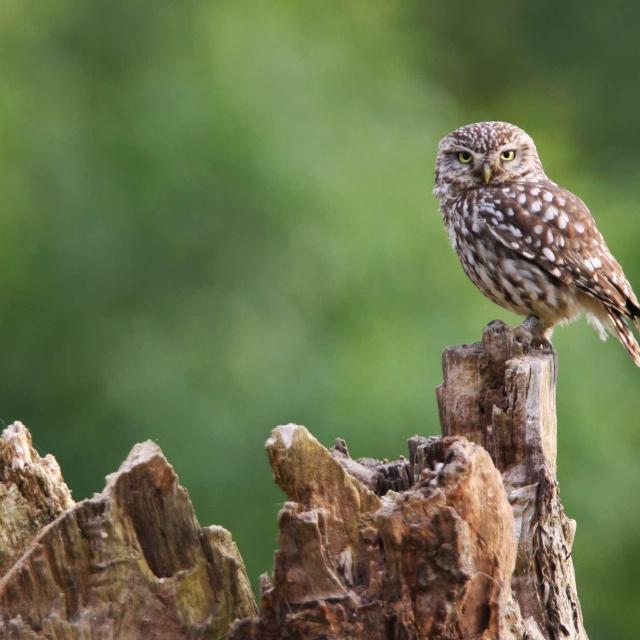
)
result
[(526, 243)]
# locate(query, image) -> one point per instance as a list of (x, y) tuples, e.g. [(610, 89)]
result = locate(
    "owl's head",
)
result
[(486, 153)]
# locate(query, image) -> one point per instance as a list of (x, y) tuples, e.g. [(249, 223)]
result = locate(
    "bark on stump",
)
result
[(464, 539)]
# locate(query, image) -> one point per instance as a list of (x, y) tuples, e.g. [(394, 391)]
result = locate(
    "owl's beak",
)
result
[(486, 173)]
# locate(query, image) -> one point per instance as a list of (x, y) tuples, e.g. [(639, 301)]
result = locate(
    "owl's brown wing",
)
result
[(554, 228)]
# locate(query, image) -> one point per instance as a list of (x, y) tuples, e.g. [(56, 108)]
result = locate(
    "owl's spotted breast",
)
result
[(497, 240)]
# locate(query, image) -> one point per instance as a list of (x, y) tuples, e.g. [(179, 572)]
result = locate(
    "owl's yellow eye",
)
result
[(506, 156), (465, 157)]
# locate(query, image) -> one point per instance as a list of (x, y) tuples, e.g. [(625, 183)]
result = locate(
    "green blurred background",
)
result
[(217, 217)]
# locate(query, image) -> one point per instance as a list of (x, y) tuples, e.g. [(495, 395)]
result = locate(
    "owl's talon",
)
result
[(523, 336), (542, 343), (532, 333)]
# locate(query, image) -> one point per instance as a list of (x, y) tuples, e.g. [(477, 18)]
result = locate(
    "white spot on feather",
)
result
[(563, 220)]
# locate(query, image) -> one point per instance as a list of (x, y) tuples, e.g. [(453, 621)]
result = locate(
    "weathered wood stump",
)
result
[(496, 394), (130, 562), (464, 539)]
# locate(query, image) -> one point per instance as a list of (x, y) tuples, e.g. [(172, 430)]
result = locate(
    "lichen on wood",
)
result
[(32, 492)]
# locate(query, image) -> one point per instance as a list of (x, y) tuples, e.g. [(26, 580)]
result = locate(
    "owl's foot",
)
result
[(533, 332)]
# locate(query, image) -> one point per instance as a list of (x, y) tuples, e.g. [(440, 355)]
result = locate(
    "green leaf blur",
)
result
[(217, 217)]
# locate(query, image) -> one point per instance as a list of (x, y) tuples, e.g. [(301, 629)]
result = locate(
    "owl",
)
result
[(526, 243)]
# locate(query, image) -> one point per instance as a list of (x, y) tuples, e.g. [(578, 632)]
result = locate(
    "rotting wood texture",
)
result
[(131, 562), (501, 394), (465, 538)]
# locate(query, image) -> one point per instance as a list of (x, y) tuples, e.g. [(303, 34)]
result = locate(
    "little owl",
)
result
[(526, 243)]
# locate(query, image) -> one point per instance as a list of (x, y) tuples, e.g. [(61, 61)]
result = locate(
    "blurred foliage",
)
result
[(217, 217)]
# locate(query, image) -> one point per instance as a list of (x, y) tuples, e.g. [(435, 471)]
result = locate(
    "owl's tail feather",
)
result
[(634, 313), (621, 331), (635, 316)]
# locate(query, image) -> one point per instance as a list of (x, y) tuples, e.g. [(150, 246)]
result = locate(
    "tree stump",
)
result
[(465, 538), (496, 394), (130, 562)]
